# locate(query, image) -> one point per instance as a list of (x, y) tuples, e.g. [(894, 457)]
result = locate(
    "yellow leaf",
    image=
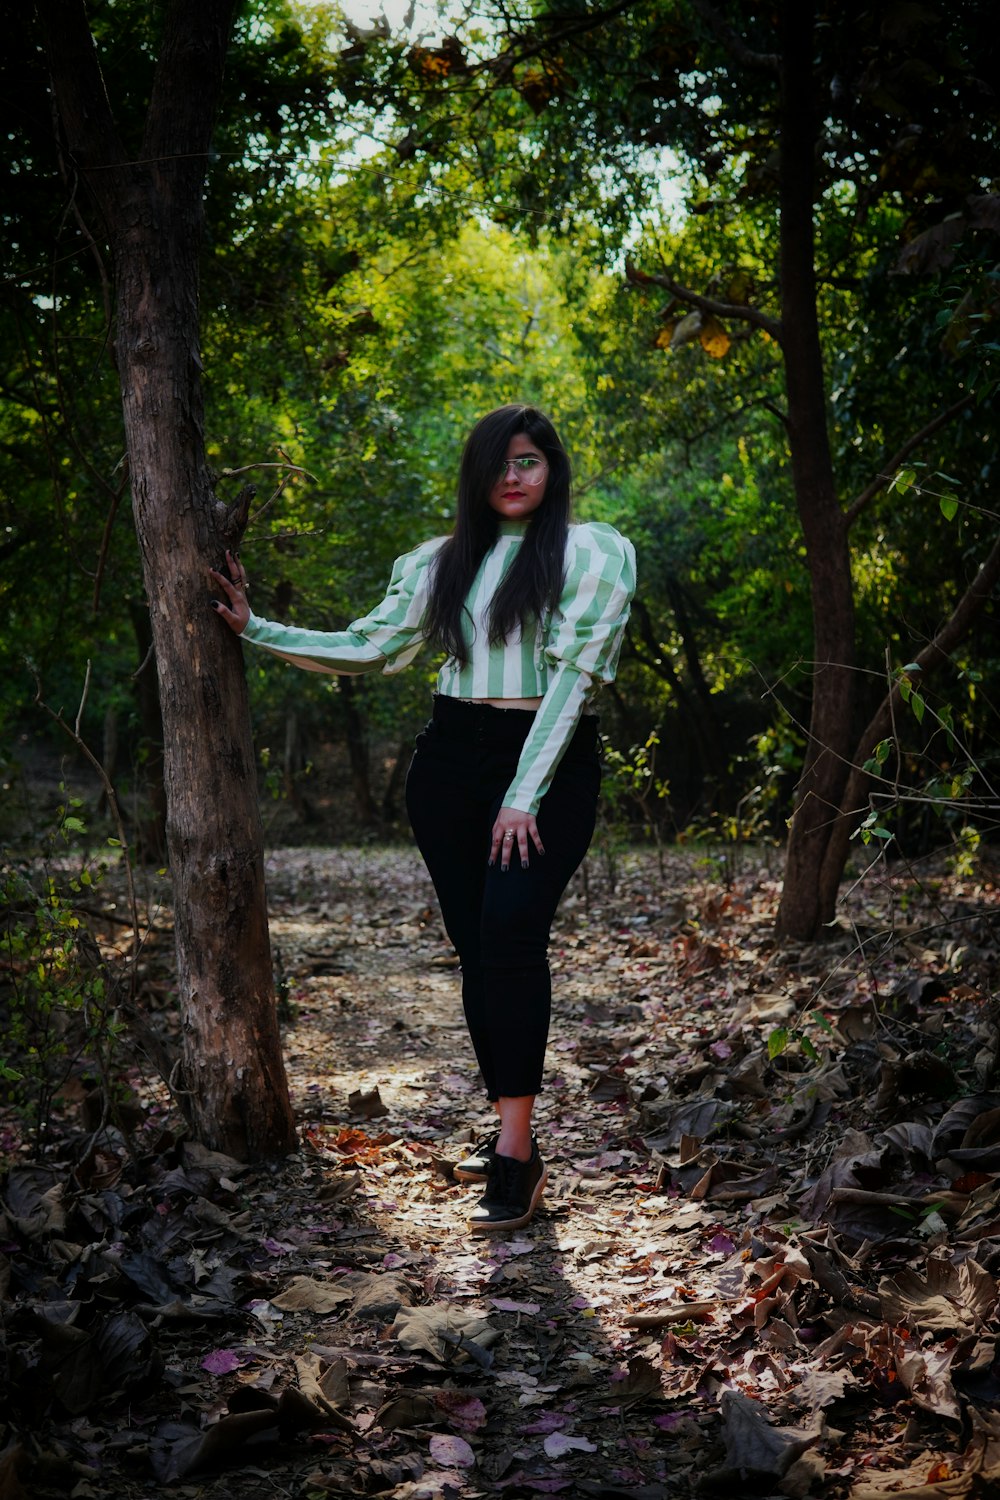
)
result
[(665, 336), (714, 339)]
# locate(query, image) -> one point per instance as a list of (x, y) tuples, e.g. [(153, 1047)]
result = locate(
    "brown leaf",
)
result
[(181, 1449), (926, 1374), (367, 1103), (377, 1297), (306, 1294), (643, 1380), (947, 1299), (34, 1201), (980, 1485), (756, 1451), (413, 1409), (699, 1117), (323, 1388), (443, 1331)]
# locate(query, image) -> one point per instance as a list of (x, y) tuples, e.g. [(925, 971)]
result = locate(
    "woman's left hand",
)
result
[(236, 587), (511, 831)]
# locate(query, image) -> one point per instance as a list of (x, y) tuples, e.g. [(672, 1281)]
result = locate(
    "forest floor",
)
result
[(766, 1258)]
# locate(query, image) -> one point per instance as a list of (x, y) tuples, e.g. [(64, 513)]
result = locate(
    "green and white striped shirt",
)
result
[(571, 652)]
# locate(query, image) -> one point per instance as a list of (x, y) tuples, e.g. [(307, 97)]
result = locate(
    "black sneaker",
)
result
[(476, 1167), (513, 1189)]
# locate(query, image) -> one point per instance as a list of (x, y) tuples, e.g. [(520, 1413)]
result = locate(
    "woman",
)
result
[(502, 791)]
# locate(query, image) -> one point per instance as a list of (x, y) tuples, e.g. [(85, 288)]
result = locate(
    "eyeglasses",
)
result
[(528, 470)]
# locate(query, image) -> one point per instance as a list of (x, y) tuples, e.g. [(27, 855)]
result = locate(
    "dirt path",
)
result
[(766, 1258)]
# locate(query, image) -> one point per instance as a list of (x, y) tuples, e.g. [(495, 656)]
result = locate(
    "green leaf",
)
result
[(821, 1021), (904, 480), (115, 843), (777, 1042), (809, 1049), (882, 751), (74, 825), (919, 707), (949, 506)]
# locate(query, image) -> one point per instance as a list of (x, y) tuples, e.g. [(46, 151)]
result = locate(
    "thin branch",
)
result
[(867, 495), (541, 42), (246, 469), (736, 310), (83, 702), (145, 663), (761, 62)]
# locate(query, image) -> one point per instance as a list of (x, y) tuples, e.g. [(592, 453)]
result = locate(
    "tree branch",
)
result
[(867, 495), (762, 62), (711, 305), (78, 87), (538, 42)]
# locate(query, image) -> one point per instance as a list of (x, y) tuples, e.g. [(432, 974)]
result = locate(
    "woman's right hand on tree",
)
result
[(237, 612)]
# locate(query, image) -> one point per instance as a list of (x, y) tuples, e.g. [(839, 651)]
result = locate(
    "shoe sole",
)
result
[(487, 1226), (466, 1174)]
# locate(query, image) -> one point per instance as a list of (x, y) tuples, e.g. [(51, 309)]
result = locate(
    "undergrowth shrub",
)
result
[(57, 1004)]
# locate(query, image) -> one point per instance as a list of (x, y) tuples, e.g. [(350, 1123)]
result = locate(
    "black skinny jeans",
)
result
[(499, 922)]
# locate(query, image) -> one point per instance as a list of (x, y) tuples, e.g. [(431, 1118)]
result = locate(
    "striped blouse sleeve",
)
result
[(582, 646), (385, 640)]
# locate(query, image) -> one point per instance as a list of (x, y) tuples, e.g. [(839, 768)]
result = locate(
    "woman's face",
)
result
[(513, 495)]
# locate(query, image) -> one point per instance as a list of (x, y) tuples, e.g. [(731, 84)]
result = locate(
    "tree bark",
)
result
[(232, 1082), (806, 903)]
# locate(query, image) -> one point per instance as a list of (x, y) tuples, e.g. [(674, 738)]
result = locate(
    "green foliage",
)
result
[(403, 233), (630, 792), (57, 1011), (782, 1037)]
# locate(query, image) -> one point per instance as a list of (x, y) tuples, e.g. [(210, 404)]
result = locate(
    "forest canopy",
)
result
[(771, 363)]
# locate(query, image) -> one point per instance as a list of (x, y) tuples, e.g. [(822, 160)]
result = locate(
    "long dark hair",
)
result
[(535, 580)]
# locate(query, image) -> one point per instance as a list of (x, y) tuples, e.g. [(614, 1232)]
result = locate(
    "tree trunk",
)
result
[(232, 1085), (811, 882)]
